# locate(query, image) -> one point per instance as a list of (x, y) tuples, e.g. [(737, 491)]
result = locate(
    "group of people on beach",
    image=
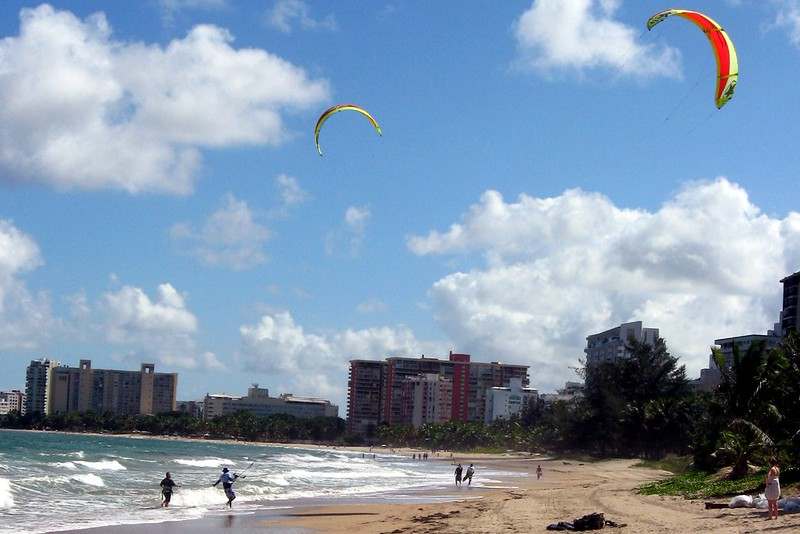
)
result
[(467, 476), (420, 456), (225, 478)]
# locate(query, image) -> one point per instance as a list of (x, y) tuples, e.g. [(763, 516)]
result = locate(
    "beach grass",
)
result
[(700, 485)]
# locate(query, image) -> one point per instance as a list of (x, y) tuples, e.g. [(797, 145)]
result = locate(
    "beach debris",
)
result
[(741, 501), (595, 521), (789, 505)]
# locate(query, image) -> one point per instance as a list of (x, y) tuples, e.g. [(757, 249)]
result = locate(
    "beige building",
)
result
[(12, 401), (82, 389), (259, 403)]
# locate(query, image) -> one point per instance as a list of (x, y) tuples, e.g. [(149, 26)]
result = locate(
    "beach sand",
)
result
[(521, 503), (568, 489)]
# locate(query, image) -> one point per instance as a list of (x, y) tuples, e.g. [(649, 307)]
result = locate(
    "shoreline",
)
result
[(277, 516), (379, 449)]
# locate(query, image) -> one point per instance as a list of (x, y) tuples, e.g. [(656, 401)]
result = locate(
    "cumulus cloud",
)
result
[(290, 191), (231, 237), (317, 363), (82, 110), (584, 34), (705, 265), (351, 235), (162, 327), (285, 14), (25, 316)]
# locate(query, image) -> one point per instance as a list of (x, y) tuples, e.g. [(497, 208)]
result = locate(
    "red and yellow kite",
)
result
[(727, 62)]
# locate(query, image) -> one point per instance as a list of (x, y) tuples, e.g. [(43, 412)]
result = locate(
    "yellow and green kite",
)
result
[(336, 109)]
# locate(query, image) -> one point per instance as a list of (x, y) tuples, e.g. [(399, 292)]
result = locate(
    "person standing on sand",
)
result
[(773, 489), (459, 469), (166, 490), (538, 472), (227, 484), (468, 476)]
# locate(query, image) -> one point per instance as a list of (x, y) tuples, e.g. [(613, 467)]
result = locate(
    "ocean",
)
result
[(51, 481)]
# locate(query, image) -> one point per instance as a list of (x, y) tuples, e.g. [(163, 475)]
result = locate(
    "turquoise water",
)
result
[(51, 481)]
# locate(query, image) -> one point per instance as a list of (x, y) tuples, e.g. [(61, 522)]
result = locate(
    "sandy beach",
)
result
[(521, 503), (567, 490)]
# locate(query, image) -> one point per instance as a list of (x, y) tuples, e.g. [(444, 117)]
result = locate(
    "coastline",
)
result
[(521, 504)]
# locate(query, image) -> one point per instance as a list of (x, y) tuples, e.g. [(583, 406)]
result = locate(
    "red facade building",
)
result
[(379, 392)]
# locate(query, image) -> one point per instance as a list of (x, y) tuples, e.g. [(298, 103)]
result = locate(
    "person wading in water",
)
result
[(166, 489), (227, 484)]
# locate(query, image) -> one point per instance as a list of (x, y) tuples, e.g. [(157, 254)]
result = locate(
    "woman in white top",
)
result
[(773, 490)]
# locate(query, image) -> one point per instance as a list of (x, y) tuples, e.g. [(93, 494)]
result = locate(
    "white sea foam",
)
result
[(207, 462), (103, 465), (90, 479), (6, 495), (66, 465)]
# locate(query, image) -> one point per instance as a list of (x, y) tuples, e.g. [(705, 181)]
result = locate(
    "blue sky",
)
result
[(547, 170)]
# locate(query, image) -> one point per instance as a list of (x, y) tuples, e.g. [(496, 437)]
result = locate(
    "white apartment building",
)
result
[(612, 344), (506, 402), (432, 399)]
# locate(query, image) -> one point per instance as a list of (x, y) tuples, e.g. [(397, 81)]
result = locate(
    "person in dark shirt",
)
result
[(459, 470), (166, 489)]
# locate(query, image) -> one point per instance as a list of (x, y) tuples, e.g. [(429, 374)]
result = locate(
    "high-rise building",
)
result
[(790, 318), (612, 344), (12, 401), (37, 385), (258, 402), (429, 399), (364, 393), (506, 402), (82, 389), (382, 392)]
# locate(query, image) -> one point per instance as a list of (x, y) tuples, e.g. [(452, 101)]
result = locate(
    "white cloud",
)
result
[(25, 317), (584, 34), (162, 327), (290, 191), (285, 13), (317, 364), (351, 235), (231, 237), (705, 265), (82, 110), (788, 18)]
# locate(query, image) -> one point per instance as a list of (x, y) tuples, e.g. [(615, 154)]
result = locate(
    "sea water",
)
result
[(54, 481)]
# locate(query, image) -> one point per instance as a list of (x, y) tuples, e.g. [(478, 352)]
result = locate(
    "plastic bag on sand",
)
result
[(760, 502), (741, 501)]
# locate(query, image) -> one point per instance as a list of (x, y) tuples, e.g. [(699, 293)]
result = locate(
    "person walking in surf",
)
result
[(227, 484), (468, 475), (459, 469), (166, 490)]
